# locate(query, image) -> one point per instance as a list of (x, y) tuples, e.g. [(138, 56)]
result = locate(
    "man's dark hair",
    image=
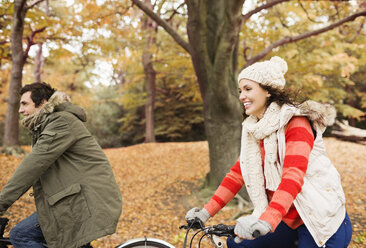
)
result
[(39, 91)]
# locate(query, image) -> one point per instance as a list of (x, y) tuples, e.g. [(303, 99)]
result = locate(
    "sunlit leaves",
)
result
[(321, 66)]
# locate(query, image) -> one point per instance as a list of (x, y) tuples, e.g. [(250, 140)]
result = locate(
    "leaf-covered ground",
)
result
[(160, 182)]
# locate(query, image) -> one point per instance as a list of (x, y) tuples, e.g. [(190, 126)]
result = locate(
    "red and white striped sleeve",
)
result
[(299, 143), (228, 188)]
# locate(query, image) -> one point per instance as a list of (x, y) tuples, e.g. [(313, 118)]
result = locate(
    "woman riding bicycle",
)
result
[(295, 190)]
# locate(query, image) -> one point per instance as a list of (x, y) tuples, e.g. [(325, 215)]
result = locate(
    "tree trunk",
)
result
[(150, 75), (120, 79), (11, 132), (38, 62), (213, 29)]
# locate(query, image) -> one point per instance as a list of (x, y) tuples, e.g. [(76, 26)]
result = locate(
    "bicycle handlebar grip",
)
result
[(256, 234), (196, 223)]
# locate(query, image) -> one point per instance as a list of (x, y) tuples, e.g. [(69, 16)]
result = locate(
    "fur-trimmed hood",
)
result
[(59, 101), (318, 113)]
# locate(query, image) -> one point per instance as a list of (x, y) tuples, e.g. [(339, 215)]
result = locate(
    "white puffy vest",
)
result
[(321, 202)]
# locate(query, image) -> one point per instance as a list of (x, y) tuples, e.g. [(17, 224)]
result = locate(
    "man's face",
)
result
[(27, 106)]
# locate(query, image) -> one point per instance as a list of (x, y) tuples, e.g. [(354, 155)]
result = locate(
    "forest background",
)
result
[(171, 77), (95, 51)]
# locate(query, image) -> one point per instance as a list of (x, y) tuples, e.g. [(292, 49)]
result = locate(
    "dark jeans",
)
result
[(285, 237), (28, 233)]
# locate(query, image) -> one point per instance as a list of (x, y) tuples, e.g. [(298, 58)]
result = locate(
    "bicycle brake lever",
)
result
[(194, 224), (217, 242)]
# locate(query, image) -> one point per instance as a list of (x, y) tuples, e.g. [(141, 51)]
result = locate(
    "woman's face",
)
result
[(254, 97)]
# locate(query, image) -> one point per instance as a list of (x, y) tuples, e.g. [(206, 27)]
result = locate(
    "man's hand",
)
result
[(247, 225), (201, 214)]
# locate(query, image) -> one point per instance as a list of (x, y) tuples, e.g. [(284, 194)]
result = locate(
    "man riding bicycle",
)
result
[(76, 195)]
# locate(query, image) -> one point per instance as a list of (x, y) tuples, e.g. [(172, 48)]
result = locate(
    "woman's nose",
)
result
[(241, 96)]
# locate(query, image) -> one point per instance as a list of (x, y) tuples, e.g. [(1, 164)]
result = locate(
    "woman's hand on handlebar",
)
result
[(250, 227), (201, 214)]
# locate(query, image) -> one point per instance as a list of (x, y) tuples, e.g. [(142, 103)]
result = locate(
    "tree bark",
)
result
[(149, 28), (213, 28), (38, 62), (11, 132)]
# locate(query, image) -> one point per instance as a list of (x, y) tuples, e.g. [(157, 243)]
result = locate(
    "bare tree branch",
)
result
[(358, 32), (259, 8), (112, 13), (291, 39), (184, 44), (117, 12), (31, 42), (307, 14), (175, 11), (34, 4), (55, 38)]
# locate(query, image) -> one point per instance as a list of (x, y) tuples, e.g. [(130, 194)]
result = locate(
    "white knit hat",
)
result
[(270, 72)]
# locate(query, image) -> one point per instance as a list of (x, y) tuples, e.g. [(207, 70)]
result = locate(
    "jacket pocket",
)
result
[(45, 140), (69, 206)]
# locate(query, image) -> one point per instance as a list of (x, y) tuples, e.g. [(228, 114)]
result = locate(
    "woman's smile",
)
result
[(253, 97)]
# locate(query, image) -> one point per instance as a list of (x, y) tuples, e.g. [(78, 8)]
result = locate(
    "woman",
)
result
[(295, 190)]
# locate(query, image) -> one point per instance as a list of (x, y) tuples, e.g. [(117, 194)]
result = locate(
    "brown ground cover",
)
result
[(160, 182)]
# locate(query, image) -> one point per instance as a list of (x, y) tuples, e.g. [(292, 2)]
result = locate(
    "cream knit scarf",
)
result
[(253, 131), (31, 121)]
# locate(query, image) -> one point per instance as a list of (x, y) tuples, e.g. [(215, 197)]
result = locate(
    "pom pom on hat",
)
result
[(270, 72)]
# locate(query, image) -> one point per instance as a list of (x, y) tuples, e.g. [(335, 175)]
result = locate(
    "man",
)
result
[(76, 195)]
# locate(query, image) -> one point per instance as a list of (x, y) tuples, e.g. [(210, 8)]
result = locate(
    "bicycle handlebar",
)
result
[(218, 230), (221, 230)]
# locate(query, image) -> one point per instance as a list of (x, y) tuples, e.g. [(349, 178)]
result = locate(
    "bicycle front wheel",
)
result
[(145, 243)]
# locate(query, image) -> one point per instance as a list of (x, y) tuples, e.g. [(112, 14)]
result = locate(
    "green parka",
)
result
[(76, 194)]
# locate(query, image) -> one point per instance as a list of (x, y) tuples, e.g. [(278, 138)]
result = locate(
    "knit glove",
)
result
[(247, 225), (201, 214)]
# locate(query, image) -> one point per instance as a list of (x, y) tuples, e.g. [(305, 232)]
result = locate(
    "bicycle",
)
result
[(214, 233), (132, 243)]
